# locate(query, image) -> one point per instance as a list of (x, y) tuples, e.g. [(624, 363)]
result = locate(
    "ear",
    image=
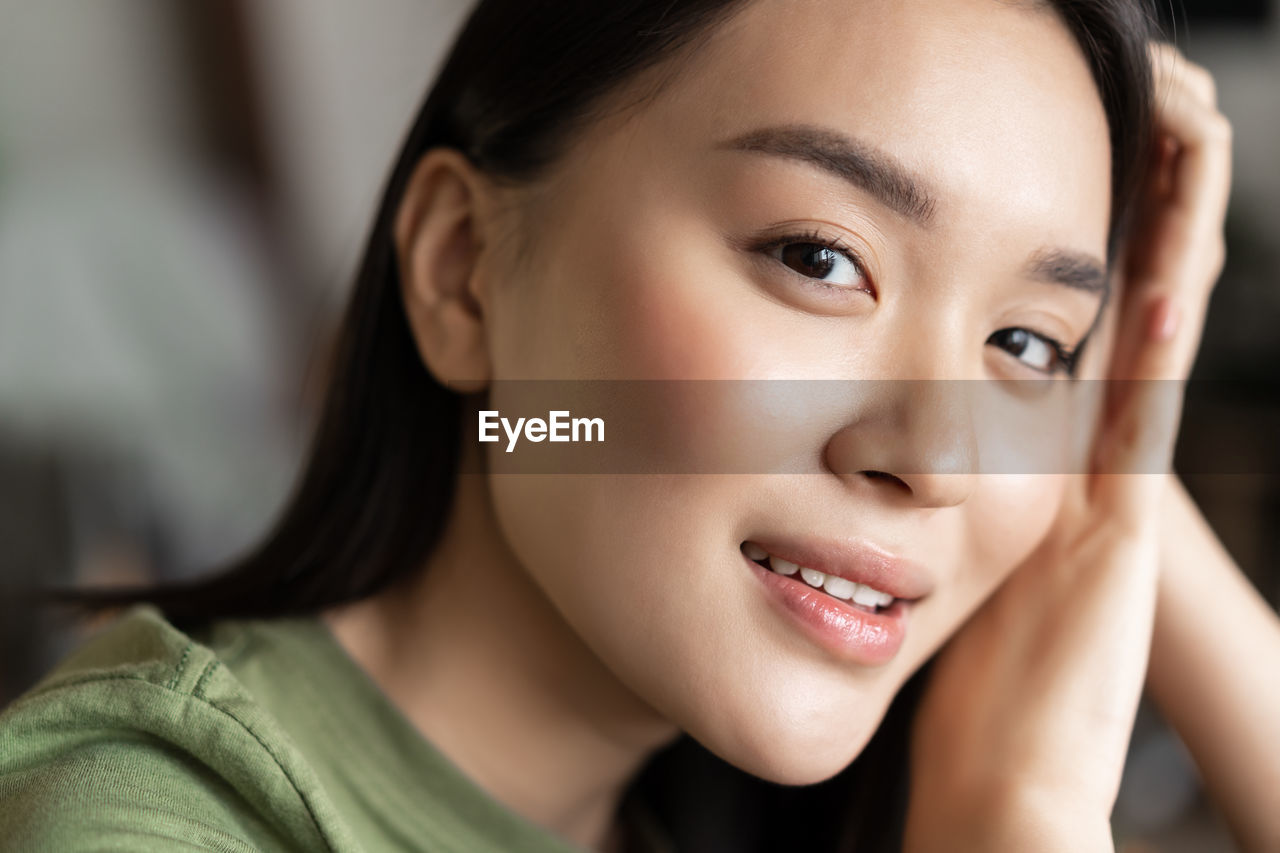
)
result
[(439, 237)]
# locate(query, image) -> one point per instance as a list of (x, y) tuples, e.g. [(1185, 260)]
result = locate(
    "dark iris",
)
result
[(1016, 340), (810, 259)]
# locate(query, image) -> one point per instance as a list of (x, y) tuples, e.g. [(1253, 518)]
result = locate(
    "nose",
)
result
[(911, 441)]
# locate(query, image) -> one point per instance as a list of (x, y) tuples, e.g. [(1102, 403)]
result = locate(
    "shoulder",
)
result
[(144, 740)]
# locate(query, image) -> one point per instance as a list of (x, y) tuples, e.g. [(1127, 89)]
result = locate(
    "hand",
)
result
[(1020, 738)]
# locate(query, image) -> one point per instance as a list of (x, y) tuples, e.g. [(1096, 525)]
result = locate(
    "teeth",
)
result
[(812, 577), (866, 596), (834, 586), (839, 587), (782, 567)]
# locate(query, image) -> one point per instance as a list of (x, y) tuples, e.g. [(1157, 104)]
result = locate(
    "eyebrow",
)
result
[(870, 169), (1070, 269), (893, 185)]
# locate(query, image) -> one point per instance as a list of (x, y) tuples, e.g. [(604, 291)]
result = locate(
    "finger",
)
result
[(1168, 61), (1166, 294), (1159, 178), (1202, 169), (1181, 250), (1186, 248), (1135, 450), (1162, 311)]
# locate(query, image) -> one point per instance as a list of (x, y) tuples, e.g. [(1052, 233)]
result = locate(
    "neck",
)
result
[(478, 659)]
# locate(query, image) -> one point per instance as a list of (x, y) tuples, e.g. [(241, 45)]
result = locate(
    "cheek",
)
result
[(670, 309), (634, 283), (672, 335), (619, 559)]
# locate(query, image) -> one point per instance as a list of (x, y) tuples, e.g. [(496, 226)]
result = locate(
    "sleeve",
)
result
[(122, 794), (142, 741)]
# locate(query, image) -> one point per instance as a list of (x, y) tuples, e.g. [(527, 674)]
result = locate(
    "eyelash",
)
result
[(829, 243), (1066, 358)]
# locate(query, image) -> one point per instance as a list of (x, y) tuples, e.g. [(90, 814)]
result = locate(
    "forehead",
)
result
[(990, 103)]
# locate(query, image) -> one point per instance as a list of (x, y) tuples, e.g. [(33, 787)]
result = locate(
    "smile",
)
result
[(855, 607), (862, 595)]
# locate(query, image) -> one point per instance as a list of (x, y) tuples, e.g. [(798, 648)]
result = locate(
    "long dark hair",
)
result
[(377, 483)]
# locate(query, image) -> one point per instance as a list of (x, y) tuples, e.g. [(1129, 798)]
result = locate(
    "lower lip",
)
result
[(869, 639)]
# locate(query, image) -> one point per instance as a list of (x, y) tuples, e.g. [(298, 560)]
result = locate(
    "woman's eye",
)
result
[(1036, 351), (821, 262)]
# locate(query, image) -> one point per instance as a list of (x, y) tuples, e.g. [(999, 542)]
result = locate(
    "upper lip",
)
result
[(855, 560)]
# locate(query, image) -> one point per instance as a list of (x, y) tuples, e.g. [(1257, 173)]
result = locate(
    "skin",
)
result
[(617, 609)]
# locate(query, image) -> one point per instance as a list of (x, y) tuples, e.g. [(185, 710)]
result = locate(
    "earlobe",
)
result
[(439, 241)]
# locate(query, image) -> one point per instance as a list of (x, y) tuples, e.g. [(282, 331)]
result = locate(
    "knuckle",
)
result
[(1163, 58), (1200, 78), (1218, 129)]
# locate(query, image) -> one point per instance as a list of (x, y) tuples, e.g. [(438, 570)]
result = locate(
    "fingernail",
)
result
[(1163, 323)]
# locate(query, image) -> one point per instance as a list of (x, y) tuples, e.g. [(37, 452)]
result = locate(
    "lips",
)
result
[(867, 629), (855, 561)]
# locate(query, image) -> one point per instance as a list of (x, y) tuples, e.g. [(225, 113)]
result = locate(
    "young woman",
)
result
[(428, 654)]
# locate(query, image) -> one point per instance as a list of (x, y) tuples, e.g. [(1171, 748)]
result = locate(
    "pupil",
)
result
[(1018, 340), (809, 258)]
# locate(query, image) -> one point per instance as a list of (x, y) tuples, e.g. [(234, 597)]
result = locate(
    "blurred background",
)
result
[(184, 190)]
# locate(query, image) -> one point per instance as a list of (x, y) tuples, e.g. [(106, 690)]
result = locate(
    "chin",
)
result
[(805, 761), (792, 744)]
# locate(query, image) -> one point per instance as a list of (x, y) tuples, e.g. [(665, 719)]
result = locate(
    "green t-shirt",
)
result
[(252, 736)]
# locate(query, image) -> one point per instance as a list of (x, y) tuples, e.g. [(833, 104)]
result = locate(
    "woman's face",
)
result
[(954, 158)]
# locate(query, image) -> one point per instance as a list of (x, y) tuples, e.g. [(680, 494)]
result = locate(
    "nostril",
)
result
[(884, 475)]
